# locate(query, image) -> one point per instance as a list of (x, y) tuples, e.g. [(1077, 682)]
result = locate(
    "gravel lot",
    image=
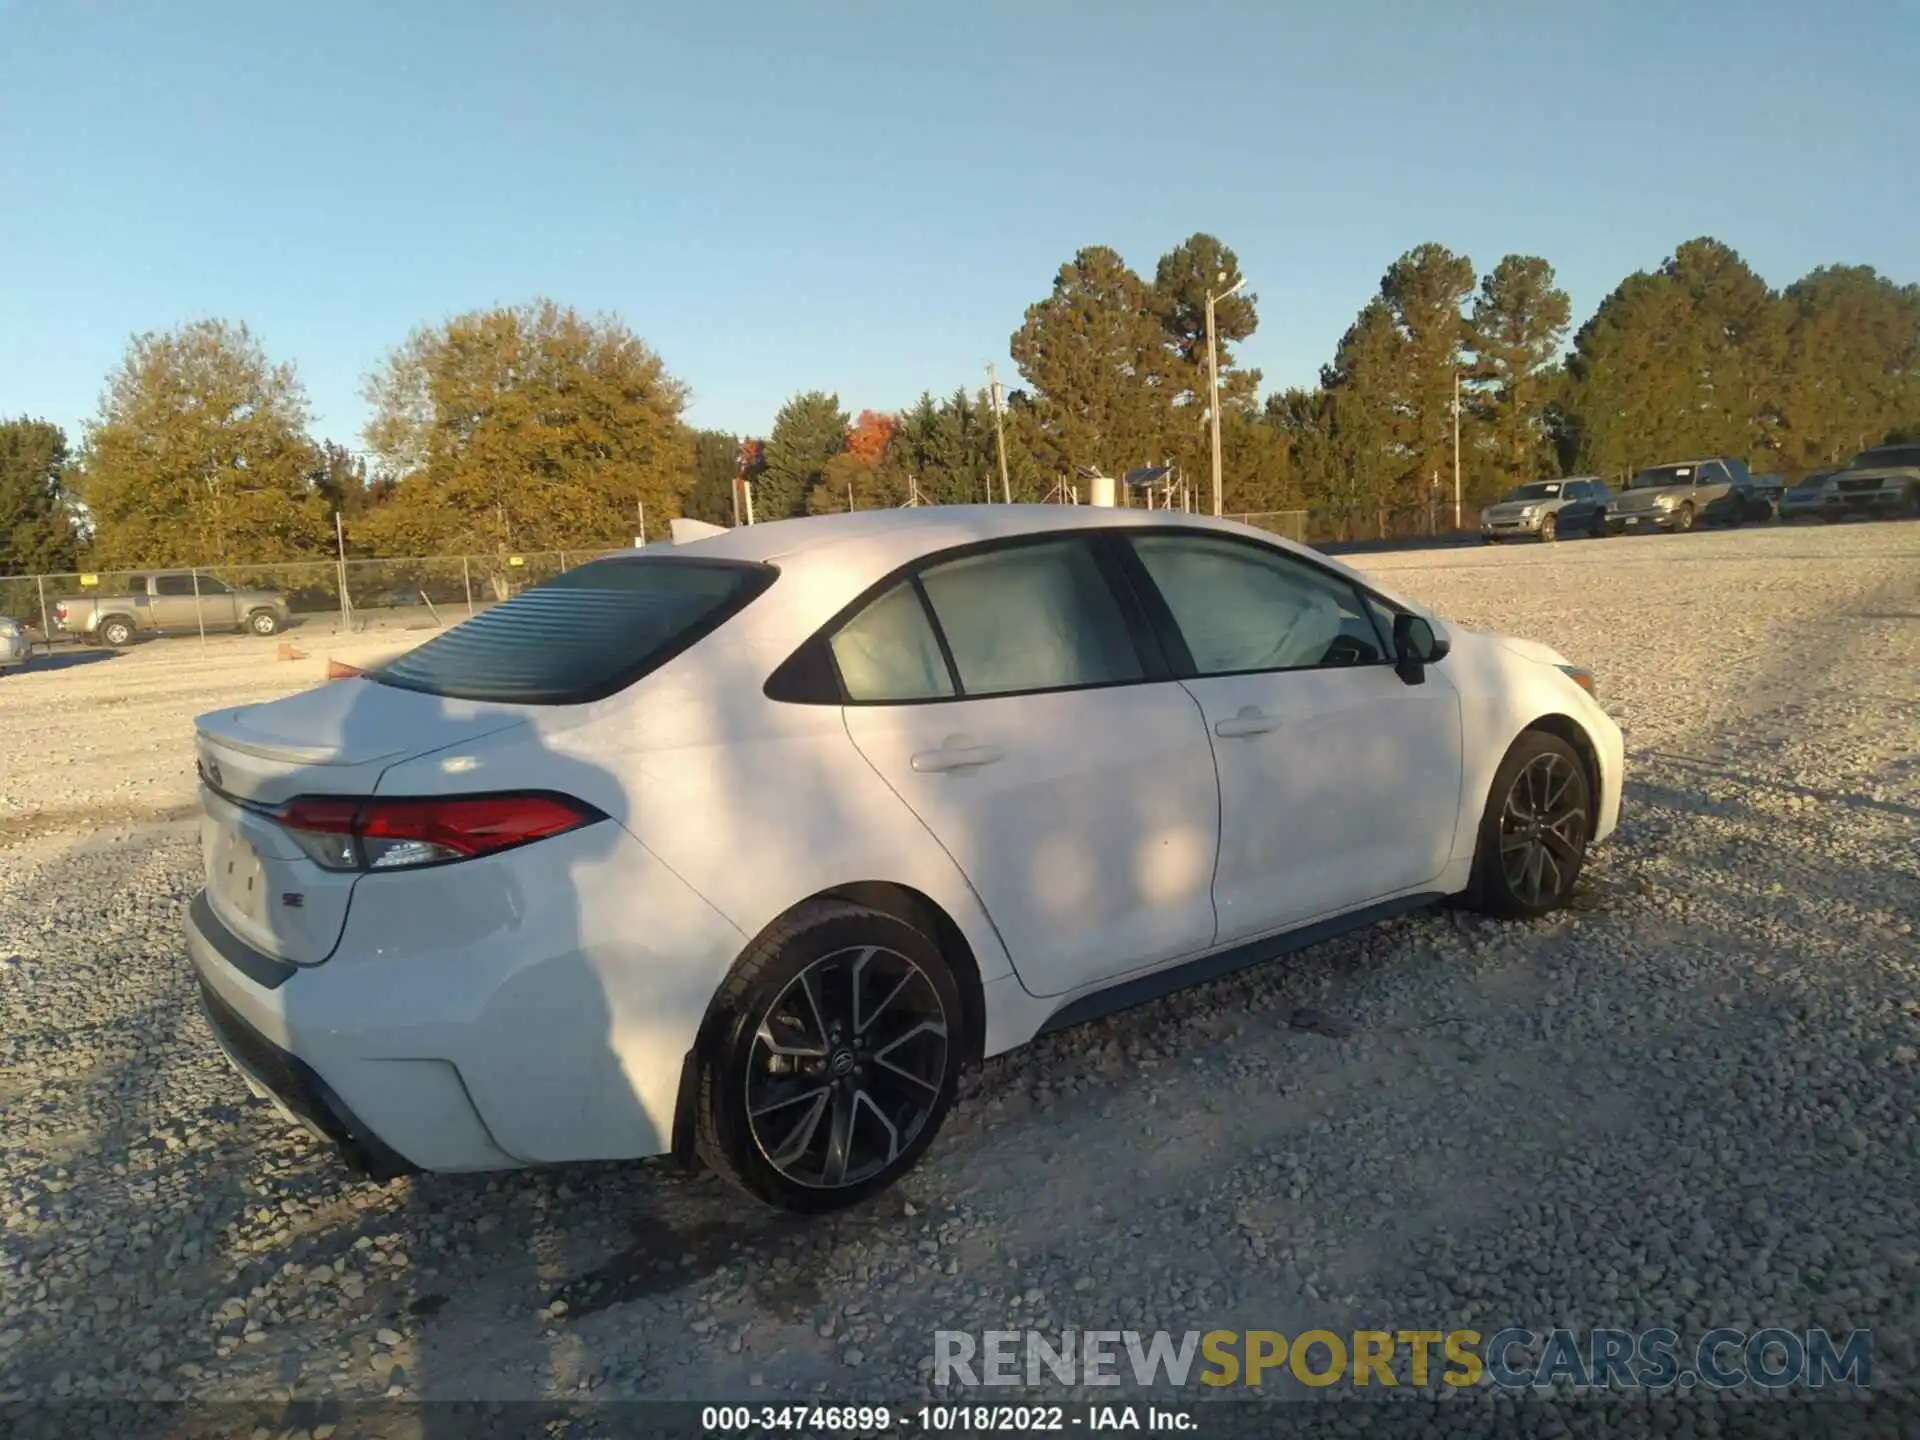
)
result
[(1689, 1101)]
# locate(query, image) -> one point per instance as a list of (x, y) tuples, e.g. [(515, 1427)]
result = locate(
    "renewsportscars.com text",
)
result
[(1510, 1359)]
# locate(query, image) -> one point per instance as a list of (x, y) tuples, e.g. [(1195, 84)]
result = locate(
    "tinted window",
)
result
[(211, 586), (1577, 490), (581, 635), (888, 651), (1241, 608), (173, 585), (1032, 617)]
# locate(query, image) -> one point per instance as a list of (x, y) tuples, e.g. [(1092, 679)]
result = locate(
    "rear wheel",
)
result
[(264, 622), (833, 1060), (116, 632), (1533, 835)]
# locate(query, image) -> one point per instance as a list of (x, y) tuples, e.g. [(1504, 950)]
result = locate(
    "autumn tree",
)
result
[(37, 531), (532, 427), (809, 431), (1517, 327), (200, 455), (858, 478), (1103, 376)]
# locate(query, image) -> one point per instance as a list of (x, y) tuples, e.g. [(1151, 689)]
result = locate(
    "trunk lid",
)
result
[(337, 739)]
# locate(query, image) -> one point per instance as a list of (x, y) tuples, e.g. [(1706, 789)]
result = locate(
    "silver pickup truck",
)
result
[(169, 600)]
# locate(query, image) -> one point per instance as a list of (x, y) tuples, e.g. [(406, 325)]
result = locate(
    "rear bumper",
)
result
[(534, 1007), (299, 1093)]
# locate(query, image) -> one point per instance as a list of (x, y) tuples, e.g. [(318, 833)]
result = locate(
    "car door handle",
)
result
[(1249, 721), (956, 757)]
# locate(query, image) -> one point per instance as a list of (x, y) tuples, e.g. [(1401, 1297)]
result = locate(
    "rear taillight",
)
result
[(60, 611), (398, 834)]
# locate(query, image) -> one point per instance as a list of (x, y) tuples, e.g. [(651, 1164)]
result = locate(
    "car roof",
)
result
[(917, 529)]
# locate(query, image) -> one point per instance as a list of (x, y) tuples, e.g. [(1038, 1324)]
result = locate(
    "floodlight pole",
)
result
[(1213, 383)]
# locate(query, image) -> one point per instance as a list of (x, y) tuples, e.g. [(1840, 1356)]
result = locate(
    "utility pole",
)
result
[(1213, 382), (641, 506), (999, 431), (1456, 448)]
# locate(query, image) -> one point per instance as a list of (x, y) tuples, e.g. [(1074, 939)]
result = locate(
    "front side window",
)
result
[(888, 651), (1240, 608), (1031, 617)]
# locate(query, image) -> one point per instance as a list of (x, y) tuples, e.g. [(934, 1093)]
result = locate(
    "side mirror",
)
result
[(1415, 647)]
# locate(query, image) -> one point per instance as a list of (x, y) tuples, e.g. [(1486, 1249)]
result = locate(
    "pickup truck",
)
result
[(165, 601)]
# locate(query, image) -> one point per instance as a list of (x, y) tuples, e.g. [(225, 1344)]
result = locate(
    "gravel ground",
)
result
[(1687, 1101)]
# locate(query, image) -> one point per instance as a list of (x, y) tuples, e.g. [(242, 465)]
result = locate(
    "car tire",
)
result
[(116, 633), (1549, 529), (1533, 835), (264, 622), (1683, 520), (796, 1101)]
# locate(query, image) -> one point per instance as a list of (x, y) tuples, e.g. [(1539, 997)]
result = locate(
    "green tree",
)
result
[(1424, 291), (1852, 373), (200, 455), (531, 427), (716, 461), (1367, 419), (1186, 274), (37, 531), (1096, 357), (1519, 322), (809, 431)]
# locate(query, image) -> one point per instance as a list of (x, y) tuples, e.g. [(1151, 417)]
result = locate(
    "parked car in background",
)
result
[(1547, 509), (1813, 498), (16, 644), (169, 600), (999, 768), (1672, 497), (1882, 481), (1770, 488), (1743, 503)]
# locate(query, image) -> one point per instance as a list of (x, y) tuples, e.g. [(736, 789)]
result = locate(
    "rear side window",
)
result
[(582, 635), (888, 651)]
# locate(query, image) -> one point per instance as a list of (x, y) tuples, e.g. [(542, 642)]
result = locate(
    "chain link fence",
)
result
[(330, 596)]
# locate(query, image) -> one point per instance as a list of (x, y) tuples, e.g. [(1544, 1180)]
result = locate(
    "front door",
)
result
[(1003, 698), (1339, 782)]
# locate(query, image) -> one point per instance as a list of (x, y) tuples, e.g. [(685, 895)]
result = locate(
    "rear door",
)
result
[(1006, 698), (1339, 782), (171, 604)]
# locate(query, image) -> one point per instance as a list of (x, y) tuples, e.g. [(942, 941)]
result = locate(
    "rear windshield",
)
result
[(582, 635)]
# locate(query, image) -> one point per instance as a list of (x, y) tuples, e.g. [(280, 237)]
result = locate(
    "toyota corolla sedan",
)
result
[(741, 848)]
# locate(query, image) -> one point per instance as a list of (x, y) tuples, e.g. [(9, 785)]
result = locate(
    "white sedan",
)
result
[(742, 847)]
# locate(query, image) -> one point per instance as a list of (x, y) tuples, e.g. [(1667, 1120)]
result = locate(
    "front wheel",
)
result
[(1683, 519), (833, 1060), (1533, 835), (264, 622), (1549, 529)]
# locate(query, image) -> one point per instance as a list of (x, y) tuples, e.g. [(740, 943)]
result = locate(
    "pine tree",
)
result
[(809, 431), (1423, 291), (1519, 321), (1102, 375)]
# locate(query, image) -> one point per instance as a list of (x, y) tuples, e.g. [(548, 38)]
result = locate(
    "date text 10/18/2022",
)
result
[(959, 1419)]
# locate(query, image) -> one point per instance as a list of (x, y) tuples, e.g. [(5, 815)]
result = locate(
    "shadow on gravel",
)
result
[(68, 659)]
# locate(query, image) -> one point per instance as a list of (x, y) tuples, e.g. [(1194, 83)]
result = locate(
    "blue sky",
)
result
[(864, 197)]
